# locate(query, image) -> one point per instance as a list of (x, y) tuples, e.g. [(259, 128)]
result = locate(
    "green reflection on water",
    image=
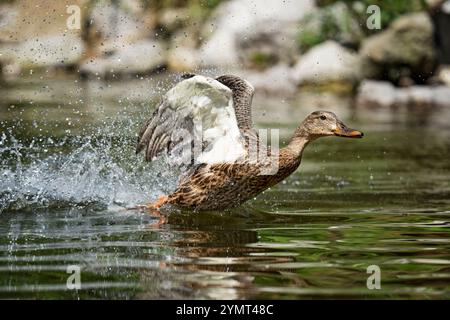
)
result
[(382, 200)]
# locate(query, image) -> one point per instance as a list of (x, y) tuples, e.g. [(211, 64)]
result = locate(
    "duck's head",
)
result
[(325, 123)]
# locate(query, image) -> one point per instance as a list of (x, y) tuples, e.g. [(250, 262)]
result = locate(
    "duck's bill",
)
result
[(343, 131)]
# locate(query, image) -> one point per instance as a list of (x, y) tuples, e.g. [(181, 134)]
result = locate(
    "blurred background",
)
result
[(78, 78), (280, 46)]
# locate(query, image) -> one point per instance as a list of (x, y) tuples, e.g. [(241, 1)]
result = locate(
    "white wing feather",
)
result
[(204, 107)]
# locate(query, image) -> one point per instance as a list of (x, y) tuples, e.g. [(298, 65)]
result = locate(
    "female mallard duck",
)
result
[(215, 114)]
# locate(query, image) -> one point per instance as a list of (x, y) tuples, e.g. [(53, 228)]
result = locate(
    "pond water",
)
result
[(68, 171)]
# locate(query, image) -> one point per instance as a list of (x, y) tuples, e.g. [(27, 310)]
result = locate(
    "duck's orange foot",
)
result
[(153, 205), (157, 204)]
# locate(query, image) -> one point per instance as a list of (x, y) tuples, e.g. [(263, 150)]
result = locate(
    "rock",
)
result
[(233, 18), (115, 24), (48, 50), (35, 35), (183, 54), (327, 62), (186, 37), (275, 80), (267, 44), (11, 70), (419, 95), (333, 22), (405, 49), (375, 94), (121, 40), (182, 59), (8, 16), (443, 75), (441, 96), (172, 19), (137, 58)]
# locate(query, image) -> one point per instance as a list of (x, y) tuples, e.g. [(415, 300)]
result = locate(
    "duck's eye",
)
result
[(323, 118)]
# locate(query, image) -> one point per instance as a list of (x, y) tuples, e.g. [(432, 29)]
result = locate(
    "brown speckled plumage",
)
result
[(226, 185), (213, 187)]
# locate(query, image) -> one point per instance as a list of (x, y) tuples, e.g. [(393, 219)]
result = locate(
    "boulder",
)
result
[(11, 70), (183, 53), (372, 94), (376, 94), (419, 95), (9, 14), (122, 40), (233, 18), (33, 37), (333, 22), (136, 58), (443, 75), (182, 59), (173, 19), (267, 44), (44, 51), (441, 96), (275, 80), (405, 49), (115, 24), (327, 62)]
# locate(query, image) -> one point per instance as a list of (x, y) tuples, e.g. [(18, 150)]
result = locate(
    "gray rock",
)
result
[(118, 34), (268, 44), (405, 49), (441, 96), (334, 22), (183, 53), (11, 70), (172, 19), (376, 94), (48, 50), (136, 58), (232, 19), (327, 62), (182, 59), (114, 24), (8, 16), (443, 75), (419, 95), (275, 80)]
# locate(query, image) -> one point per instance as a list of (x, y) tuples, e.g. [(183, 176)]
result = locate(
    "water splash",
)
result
[(77, 147), (92, 171)]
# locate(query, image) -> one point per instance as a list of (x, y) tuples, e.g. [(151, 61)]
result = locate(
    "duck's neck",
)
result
[(291, 156), (298, 143)]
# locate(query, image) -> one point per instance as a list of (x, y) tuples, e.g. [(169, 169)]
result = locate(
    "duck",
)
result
[(204, 126)]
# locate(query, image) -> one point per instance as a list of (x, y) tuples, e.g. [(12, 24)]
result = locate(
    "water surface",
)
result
[(68, 171)]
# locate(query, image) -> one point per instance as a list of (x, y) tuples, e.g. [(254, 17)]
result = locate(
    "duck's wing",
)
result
[(196, 116), (242, 99)]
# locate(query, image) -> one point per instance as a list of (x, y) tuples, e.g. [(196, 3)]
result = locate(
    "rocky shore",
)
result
[(281, 46)]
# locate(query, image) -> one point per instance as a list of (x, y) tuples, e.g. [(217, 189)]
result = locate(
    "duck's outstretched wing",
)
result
[(196, 116), (242, 98)]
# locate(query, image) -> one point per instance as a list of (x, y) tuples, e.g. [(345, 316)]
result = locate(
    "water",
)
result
[(68, 171)]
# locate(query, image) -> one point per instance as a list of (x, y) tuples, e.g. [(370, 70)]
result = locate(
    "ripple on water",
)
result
[(379, 201)]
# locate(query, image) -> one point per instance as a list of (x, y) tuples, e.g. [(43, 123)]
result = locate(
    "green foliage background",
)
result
[(330, 28)]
